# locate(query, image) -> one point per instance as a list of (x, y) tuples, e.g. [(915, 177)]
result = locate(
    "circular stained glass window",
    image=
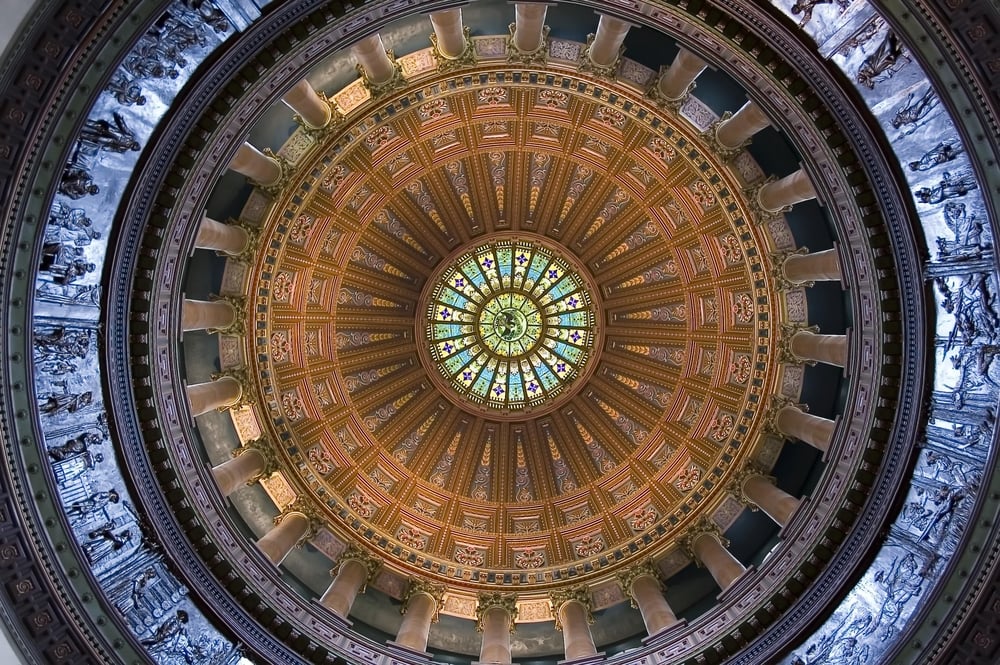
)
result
[(510, 324)]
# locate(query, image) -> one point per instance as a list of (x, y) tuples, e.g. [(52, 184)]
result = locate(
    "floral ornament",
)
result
[(743, 309), (740, 369), (553, 99), (492, 96), (688, 479), (301, 229), (433, 109), (411, 537), (730, 247), (721, 427), (703, 194), (292, 405), (320, 460), (527, 559), (589, 545), (283, 286), (469, 556), (280, 346), (361, 504), (662, 149), (642, 518)]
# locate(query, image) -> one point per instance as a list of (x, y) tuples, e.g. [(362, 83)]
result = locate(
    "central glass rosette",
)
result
[(510, 324)]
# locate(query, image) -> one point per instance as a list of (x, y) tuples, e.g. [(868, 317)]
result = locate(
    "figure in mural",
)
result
[(88, 295), (841, 647), (114, 136), (61, 343), (950, 187), (142, 63), (76, 182), (125, 90), (902, 581), (206, 12), (939, 154), (66, 263), (54, 403), (104, 542), (971, 303), (56, 367), (139, 586), (887, 59), (78, 445), (911, 114), (971, 239), (92, 503), (806, 7), (168, 632)]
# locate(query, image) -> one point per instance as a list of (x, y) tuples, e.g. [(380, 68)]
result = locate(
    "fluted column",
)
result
[(289, 529), (780, 194), (674, 83), (495, 614), (830, 349), (606, 47), (354, 571), (255, 165), (227, 238), (642, 583), (222, 392), (375, 64), (707, 546), (234, 473), (449, 32), (421, 604), (529, 26), (206, 314), (813, 267), (313, 109), (573, 612), (792, 421), (734, 131)]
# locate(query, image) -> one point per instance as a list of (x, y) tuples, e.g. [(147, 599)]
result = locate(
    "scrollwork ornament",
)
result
[(417, 586), (703, 527), (467, 58), (585, 64), (537, 57), (489, 600), (628, 576), (579, 594), (785, 353)]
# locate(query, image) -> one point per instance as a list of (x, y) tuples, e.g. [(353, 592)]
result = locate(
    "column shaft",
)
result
[(417, 622), (496, 637), (234, 473), (339, 596), (743, 124), (608, 40), (682, 72), (449, 31), (806, 427), (778, 504), (723, 566), (370, 53), (788, 191), (203, 314), (656, 612), (830, 349), (578, 642), (279, 541), (529, 20), (311, 108), (255, 165), (227, 238), (815, 267), (213, 395)]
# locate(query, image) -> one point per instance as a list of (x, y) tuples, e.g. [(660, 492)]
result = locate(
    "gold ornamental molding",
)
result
[(578, 594), (487, 601)]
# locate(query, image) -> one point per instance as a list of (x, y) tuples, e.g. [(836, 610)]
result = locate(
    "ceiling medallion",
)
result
[(510, 325)]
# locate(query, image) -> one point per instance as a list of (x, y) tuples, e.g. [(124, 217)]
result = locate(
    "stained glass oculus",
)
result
[(510, 324)]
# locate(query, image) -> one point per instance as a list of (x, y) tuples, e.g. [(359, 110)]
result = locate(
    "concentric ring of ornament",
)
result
[(510, 324)]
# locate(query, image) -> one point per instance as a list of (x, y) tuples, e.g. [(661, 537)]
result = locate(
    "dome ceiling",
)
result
[(389, 268)]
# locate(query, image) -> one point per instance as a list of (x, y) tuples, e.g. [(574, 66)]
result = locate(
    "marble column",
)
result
[(642, 584), (349, 579), (220, 237), (449, 32), (376, 65), (762, 492), (207, 314), (237, 472), (685, 68), (605, 50), (830, 349), (712, 554), (573, 612), (737, 129), (529, 26), (255, 165), (225, 391), (496, 636), (796, 423), (421, 604), (813, 267), (289, 529), (313, 109), (794, 188)]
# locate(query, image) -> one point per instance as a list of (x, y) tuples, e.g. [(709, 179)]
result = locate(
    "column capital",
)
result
[(585, 64), (580, 594), (242, 377), (788, 331), (762, 215), (644, 568), (654, 93), (537, 57), (317, 133), (354, 552), (238, 327), (285, 172), (489, 600), (466, 58), (376, 90), (307, 510), (418, 586), (711, 137), (262, 447), (703, 527), (779, 402), (735, 486), (778, 269)]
